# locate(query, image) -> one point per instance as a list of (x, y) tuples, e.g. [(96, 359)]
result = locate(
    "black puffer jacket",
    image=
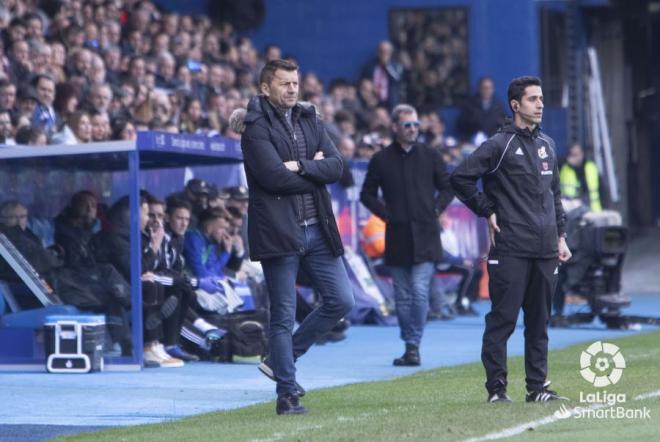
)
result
[(273, 211), (521, 186)]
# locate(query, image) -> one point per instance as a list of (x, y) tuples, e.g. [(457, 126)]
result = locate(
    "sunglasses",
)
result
[(410, 124)]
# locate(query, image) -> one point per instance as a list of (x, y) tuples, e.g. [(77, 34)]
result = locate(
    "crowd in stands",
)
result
[(79, 71)]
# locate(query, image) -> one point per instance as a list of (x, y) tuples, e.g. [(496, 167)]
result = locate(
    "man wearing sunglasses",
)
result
[(415, 190)]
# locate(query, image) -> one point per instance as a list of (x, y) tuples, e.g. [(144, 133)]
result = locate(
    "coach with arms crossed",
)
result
[(521, 201), (288, 160)]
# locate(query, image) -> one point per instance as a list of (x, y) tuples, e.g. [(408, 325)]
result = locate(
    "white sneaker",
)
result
[(151, 357), (167, 361)]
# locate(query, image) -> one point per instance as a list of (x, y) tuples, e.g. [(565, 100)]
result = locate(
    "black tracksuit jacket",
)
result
[(521, 186)]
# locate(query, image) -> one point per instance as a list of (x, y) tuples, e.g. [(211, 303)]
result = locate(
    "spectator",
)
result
[(44, 116), (386, 75), (78, 288), (6, 128), (100, 126), (482, 112), (30, 136), (580, 179), (8, 96)]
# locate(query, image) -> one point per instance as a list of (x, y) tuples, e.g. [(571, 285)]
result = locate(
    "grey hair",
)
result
[(402, 109)]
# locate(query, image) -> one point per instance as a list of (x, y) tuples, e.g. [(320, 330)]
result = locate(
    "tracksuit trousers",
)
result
[(514, 283)]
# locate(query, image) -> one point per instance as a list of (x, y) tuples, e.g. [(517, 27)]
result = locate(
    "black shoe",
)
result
[(543, 395), (410, 358), (497, 391), (341, 326), (289, 404), (499, 396), (264, 367)]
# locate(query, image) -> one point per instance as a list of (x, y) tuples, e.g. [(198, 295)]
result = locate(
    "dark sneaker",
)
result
[(497, 391), (264, 367), (289, 404), (544, 395), (410, 358), (177, 352), (499, 396)]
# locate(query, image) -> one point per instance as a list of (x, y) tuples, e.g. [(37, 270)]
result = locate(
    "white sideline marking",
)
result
[(512, 431)]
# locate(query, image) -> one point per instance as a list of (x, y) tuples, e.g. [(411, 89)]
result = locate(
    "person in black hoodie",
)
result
[(415, 187), (521, 200)]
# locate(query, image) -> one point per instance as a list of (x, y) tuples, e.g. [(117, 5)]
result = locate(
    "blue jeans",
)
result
[(412, 285), (330, 280)]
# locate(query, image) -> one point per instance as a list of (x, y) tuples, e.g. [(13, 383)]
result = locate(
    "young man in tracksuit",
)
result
[(521, 201)]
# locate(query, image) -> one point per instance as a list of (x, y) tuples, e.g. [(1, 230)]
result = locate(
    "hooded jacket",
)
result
[(521, 186), (273, 209)]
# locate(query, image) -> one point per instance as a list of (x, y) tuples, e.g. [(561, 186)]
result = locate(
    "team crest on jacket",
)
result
[(542, 153)]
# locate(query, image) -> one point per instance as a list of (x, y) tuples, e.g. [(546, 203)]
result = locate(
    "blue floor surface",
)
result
[(33, 400)]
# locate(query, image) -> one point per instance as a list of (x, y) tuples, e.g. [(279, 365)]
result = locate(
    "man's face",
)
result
[(385, 52), (575, 155), (156, 216), (179, 220), (46, 91), (101, 98), (88, 211), (283, 89), (530, 108), (217, 229), (6, 128), (8, 97), (18, 216), (21, 51), (407, 128), (241, 204), (486, 89)]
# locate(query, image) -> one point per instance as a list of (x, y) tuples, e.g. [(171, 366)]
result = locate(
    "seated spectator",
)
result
[(192, 120), (30, 136), (6, 128), (468, 269), (91, 291), (100, 126), (196, 193), (113, 246), (204, 335), (207, 250)]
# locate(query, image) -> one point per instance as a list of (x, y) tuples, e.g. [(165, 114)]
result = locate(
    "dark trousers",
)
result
[(515, 283), (172, 325), (329, 278)]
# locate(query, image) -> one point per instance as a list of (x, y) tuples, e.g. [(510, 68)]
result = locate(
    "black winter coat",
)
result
[(416, 190), (273, 213), (521, 186)]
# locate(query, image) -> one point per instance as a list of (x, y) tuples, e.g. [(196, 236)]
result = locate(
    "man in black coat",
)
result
[(288, 160), (522, 203), (415, 187)]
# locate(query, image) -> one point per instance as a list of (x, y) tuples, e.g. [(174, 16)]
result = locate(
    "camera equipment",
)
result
[(599, 243)]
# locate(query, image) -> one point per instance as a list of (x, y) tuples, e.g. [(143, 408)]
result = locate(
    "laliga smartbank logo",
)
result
[(602, 365)]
